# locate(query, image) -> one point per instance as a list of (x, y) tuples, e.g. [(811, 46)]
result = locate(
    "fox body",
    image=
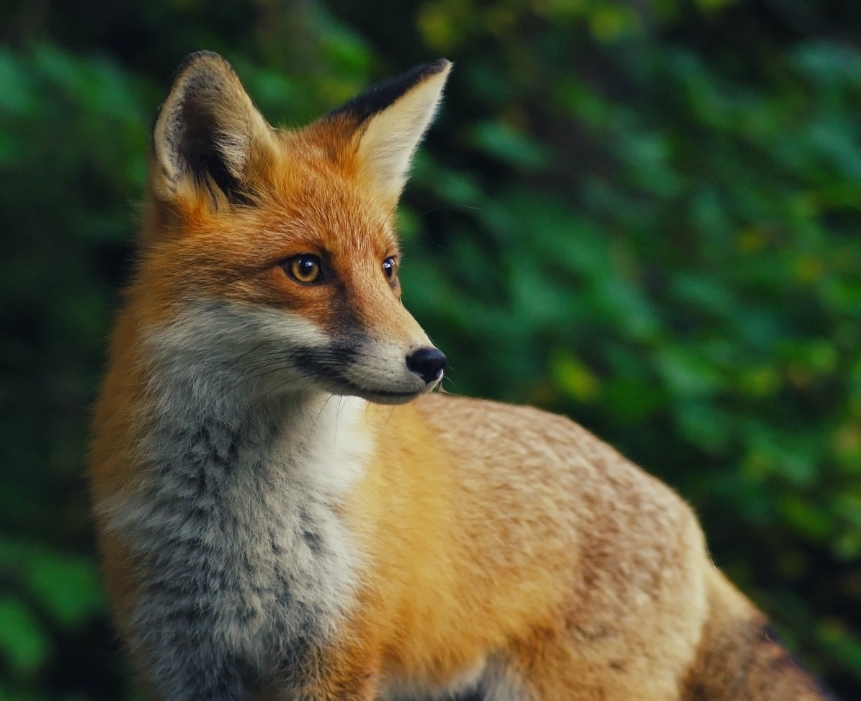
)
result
[(286, 512)]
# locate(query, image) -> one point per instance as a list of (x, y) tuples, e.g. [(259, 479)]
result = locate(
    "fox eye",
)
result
[(305, 269), (390, 269)]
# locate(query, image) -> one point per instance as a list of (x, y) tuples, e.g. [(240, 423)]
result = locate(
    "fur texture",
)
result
[(232, 519), (285, 512)]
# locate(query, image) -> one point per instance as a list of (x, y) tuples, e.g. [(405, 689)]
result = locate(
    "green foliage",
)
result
[(641, 214)]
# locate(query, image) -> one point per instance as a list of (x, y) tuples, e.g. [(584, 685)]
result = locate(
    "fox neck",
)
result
[(235, 516), (308, 436), (212, 449), (211, 424), (221, 398)]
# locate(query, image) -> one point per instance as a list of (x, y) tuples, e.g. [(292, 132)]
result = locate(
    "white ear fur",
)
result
[(390, 139), (205, 129)]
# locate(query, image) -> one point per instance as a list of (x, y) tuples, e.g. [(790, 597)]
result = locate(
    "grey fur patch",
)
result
[(244, 562)]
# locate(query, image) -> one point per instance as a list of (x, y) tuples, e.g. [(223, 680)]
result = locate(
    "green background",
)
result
[(640, 213)]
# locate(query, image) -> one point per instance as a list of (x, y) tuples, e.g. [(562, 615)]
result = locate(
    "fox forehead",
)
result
[(306, 201), (316, 192)]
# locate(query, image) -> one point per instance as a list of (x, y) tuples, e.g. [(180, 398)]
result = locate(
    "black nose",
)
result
[(427, 363)]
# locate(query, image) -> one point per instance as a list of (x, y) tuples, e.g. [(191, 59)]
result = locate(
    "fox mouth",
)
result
[(334, 381), (379, 396)]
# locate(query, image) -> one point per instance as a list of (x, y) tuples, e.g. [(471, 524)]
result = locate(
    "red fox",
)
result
[(269, 531)]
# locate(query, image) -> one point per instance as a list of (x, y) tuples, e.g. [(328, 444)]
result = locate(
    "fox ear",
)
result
[(207, 132), (390, 121)]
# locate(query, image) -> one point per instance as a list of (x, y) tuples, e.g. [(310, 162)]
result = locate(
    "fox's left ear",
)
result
[(208, 134), (390, 121)]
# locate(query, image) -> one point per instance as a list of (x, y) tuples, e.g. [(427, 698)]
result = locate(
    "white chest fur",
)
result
[(245, 563)]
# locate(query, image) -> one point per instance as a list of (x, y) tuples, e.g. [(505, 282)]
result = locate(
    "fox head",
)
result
[(269, 257)]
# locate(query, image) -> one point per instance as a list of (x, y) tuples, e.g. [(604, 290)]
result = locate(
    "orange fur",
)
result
[(488, 537)]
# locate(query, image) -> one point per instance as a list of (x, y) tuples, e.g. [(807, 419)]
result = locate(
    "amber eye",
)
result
[(390, 268), (305, 268)]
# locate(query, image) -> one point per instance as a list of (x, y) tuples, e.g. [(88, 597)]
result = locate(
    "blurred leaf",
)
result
[(69, 587), (573, 377), (22, 640), (501, 141)]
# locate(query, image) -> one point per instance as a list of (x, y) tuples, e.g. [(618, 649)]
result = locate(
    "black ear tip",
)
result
[(379, 97), (438, 66)]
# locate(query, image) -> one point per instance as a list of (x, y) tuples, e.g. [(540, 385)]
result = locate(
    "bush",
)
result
[(640, 214)]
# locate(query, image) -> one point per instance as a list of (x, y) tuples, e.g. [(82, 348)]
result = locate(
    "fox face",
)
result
[(279, 246)]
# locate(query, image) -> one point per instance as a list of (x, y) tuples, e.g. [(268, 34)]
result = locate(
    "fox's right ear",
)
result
[(207, 134), (388, 122)]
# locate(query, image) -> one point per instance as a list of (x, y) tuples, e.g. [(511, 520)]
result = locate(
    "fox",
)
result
[(284, 508)]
